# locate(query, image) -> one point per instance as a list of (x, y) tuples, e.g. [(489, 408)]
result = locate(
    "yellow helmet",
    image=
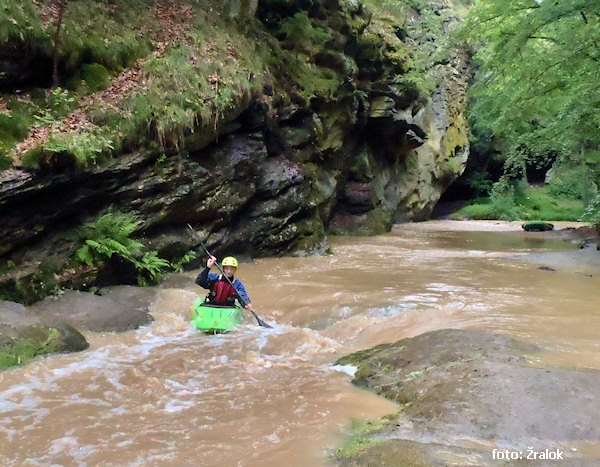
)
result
[(229, 261)]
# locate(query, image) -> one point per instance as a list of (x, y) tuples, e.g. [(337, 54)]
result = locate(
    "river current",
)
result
[(169, 395)]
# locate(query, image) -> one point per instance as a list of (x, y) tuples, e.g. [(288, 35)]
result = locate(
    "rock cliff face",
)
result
[(343, 139)]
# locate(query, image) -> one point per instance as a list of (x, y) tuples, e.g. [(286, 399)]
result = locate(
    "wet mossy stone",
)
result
[(20, 346), (537, 226)]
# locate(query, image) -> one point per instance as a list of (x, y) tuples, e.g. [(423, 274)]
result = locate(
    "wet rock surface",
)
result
[(120, 309), (54, 324), (24, 335), (464, 394)]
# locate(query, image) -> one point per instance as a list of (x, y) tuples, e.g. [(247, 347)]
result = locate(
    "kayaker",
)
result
[(221, 291)]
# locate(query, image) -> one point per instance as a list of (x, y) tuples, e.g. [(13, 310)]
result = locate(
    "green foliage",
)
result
[(592, 211), (84, 147), (151, 268), (536, 86), (303, 38), (95, 76), (313, 80), (20, 22), (302, 35), (522, 202), (13, 128), (15, 125), (194, 94), (60, 103), (570, 181), (178, 264), (111, 234), (480, 182), (107, 33)]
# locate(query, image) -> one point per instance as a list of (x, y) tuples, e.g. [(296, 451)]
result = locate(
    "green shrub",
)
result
[(151, 268), (480, 182), (95, 76), (503, 201)]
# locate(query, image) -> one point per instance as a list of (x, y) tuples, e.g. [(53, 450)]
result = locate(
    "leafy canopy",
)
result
[(536, 89)]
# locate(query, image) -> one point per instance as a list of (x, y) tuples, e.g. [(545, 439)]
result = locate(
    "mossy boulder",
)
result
[(537, 226), (23, 336)]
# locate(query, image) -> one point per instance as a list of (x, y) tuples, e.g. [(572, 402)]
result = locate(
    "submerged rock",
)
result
[(466, 393)]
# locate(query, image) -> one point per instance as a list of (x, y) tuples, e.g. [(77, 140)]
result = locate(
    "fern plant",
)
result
[(111, 234), (151, 268), (178, 264)]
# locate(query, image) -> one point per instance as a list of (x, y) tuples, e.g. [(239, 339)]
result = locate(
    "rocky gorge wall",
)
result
[(349, 142)]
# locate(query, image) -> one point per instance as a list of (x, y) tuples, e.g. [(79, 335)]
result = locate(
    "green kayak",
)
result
[(215, 319)]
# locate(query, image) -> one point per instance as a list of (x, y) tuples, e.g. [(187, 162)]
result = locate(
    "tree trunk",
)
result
[(62, 7)]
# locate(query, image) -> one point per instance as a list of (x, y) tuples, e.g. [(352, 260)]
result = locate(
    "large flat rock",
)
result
[(465, 393), (121, 309)]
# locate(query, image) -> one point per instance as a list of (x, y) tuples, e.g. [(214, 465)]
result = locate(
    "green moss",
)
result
[(18, 347), (95, 77), (29, 289), (361, 439), (31, 341)]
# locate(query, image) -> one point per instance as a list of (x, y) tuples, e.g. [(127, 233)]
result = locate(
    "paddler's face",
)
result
[(229, 271)]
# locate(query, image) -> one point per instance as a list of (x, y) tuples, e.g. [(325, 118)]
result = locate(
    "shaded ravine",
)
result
[(167, 395)]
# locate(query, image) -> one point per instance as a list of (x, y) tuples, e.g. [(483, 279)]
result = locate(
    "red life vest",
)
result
[(222, 292)]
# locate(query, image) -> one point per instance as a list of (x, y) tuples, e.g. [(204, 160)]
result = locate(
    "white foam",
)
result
[(348, 369)]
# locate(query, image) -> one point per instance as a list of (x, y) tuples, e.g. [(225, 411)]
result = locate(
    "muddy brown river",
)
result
[(169, 395)]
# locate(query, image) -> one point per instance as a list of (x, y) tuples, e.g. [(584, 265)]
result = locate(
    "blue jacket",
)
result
[(207, 279)]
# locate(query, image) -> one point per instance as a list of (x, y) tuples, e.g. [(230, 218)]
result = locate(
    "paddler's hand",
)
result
[(211, 261), (250, 307)]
